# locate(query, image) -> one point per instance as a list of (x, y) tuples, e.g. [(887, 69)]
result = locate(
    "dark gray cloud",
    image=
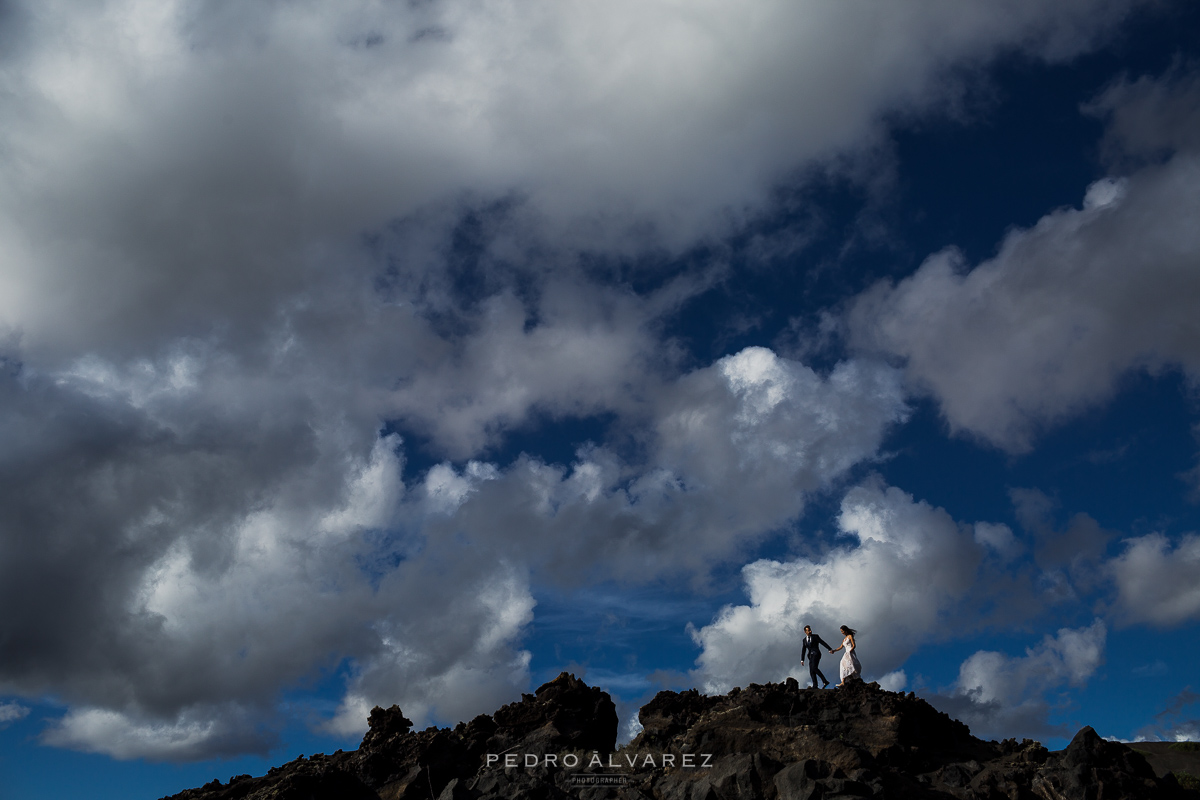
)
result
[(196, 163), (1150, 119), (1070, 558), (1177, 720)]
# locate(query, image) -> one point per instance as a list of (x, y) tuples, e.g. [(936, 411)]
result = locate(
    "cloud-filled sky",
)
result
[(411, 352)]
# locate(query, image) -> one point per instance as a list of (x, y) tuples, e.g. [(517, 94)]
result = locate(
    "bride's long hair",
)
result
[(846, 629)]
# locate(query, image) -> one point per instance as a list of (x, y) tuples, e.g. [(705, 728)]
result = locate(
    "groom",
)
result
[(812, 649)]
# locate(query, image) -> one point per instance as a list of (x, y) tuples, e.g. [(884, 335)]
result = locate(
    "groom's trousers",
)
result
[(814, 672)]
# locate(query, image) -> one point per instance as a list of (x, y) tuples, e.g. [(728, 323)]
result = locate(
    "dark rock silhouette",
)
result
[(1180, 758), (776, 741)]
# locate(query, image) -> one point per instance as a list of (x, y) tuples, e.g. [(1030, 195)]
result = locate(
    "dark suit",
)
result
[(811, 650)]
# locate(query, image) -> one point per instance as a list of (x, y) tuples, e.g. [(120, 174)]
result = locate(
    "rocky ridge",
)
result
[(773, 741)]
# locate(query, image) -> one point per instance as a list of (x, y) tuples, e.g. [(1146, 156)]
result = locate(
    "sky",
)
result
[(413, 352)]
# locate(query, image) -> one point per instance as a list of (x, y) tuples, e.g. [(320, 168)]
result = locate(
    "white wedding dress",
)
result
[(850, 665)]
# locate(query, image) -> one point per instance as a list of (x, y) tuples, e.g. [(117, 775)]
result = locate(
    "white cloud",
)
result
[(1069, 658), (1104, 192), (195, 734), (755, 432), (1002, 696), (215, 553), (911, 566), (631, 729), (319, 553), (739, 447), (1157, 582), (373, 495), (894, 681), (420, 665), (1046, 327), (10, 712)]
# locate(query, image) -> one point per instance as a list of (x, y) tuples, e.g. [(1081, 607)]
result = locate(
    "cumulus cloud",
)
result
[(440, 667), (894, 681), (911, 565), (1156, 581), (736, 448), (196, 733), (170, 162), (1008, 696), (1047, 326), (203, 563), (588, 346), (209, 583), (237, 243)]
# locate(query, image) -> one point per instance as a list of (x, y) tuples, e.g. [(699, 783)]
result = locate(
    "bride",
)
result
[(850, 665)]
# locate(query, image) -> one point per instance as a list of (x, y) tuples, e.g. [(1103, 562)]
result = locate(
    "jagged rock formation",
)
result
[(776, 742), (393, 762)]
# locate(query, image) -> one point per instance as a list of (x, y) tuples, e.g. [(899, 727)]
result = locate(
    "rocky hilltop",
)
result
[(777, 742)]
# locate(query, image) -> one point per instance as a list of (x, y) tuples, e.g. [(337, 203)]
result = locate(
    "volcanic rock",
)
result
[(764, 742)]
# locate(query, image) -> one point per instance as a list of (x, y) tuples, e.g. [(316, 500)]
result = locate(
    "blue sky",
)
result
[(413, 353)]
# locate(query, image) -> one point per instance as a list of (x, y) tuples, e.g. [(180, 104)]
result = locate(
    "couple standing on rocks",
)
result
[(812, 649)]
